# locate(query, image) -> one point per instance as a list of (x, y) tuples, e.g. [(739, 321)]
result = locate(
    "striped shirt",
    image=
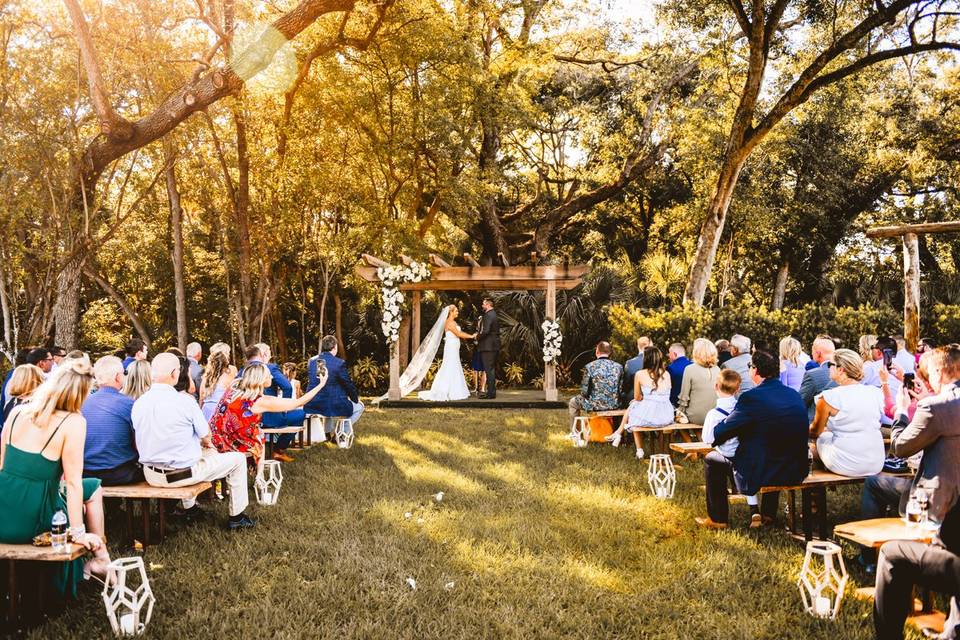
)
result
[(109, 430)]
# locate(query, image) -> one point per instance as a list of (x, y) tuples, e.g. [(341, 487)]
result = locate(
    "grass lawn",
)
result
[(533, 539)]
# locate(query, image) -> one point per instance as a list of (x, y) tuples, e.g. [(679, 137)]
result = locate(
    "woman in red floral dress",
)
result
[(235, 425)]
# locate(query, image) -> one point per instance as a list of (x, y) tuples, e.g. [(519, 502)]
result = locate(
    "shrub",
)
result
[(513, 374), (367, 374), (763, 326)]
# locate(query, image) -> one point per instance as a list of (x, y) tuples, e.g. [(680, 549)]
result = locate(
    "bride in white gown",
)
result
[(449, 383)]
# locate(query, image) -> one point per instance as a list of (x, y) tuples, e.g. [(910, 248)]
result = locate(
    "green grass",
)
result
[(539, 539)]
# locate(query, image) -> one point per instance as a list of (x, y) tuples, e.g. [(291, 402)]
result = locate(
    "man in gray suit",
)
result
[(816, 381), (935, 430)]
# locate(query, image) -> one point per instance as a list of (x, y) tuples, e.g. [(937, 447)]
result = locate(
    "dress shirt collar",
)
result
[(727, 403)]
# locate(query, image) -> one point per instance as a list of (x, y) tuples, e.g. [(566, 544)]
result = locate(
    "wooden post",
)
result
[(394, 393), (550, 370), (911, 290), (415, 322)]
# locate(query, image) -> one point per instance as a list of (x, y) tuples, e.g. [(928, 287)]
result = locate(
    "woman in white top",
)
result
[(847, 422)]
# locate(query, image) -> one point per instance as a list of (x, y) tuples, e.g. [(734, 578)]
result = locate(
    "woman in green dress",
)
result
[(42, 442)]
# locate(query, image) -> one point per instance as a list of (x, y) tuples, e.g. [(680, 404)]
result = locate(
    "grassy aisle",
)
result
[(533, 539)]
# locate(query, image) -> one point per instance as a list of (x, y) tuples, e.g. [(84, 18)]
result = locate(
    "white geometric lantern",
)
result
[(267, 485), (580, 432), (822, 579), (661, 476), (316, 426), (129, 604), (343, 434)]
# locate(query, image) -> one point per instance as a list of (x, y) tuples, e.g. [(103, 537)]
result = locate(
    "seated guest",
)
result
[(650, 406), (194, 354), (770, 423), (260, 353), (740, 361), (26, 378), (723, 350), (791, 370), (815, 381), (173, 439), (217, 378), (339, 397), (904, 358), (42, 443), (136, 349), (185, 382), (289, 369), (935, 430), (42, 358), (137, 380), (847, 423), (923, 346), (630, 368), (19, 359), (882, 354), (865, 346), (600, 389), (235, 425), (58, 354), (678, 362), (718, 464), (698, 393), (109, 452), (817, 354)]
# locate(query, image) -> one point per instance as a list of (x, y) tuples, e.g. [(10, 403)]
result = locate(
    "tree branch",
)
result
[(741, 14)]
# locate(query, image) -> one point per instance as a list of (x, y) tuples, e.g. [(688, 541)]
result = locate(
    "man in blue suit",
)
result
[(338, 399), (771, 425), (630, 368), (280, 388)]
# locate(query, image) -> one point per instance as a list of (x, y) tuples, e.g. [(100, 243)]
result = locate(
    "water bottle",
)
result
[(913, 510), (58, 532)]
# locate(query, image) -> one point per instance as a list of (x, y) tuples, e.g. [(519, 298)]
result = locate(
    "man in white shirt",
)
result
[(903, 357), (173, 440)]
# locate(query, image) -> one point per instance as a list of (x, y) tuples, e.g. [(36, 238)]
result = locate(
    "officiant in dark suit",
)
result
[(489, 346)]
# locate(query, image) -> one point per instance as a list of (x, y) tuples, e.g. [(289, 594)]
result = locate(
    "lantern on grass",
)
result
[(267, 485), (127, 596), (822, 579), (580, 432), (343, 434), (661, 476)]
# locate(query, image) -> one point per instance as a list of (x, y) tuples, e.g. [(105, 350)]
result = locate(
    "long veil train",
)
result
[(420, 363)]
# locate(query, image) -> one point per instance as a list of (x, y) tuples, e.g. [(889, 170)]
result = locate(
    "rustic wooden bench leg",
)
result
[(792, 516), (823, 524), (145, 512), (12, 585), (162, 516), (807, 501), (268, 447)]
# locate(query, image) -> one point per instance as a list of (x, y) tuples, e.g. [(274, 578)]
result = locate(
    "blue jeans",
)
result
[(293, 418)]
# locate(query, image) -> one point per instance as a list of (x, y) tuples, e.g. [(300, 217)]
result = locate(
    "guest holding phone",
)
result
[(339, 398)]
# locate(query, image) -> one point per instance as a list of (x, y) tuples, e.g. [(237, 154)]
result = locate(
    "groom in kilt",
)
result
[(489, 346)]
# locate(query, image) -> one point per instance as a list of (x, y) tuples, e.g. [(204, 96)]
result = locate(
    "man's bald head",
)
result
[(165, 369)]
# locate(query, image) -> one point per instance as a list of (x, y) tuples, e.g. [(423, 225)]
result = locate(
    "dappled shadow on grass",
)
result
[(539, 539)]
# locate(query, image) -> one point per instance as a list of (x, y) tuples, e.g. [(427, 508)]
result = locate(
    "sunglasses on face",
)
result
[(831, 365)]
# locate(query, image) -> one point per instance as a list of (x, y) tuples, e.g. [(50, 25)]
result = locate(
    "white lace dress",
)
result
[(654, 410), (449, 384)]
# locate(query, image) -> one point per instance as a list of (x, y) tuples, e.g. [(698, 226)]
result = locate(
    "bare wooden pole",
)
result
[(902, 229), (394, 393), (550, 369), (911, 290)]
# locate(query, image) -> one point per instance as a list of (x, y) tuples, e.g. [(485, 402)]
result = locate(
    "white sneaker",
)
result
[(613, 439), (639, 453)]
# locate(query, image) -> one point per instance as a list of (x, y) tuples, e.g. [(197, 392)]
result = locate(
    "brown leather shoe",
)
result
[(279, 456), (757, 521), (707, 523)]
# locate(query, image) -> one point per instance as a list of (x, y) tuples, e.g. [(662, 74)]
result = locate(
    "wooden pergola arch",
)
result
[(909, 234), (474, 277)]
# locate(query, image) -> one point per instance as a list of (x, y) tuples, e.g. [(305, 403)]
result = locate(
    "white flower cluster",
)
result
[(391, 298), (552, 340)]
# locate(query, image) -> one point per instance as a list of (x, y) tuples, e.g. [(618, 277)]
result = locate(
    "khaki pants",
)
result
[(212, 466)]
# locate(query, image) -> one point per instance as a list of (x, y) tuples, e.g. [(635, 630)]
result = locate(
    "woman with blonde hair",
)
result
[(846, 426), (697, 390), (235, 425), (791, 368), (218, 375), (138, 379), (865, 347), (42, 442), (25, 380)]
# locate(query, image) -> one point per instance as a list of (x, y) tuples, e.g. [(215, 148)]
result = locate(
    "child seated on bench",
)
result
[(727, 386)]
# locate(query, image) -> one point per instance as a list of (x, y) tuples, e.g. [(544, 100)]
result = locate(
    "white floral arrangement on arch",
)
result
[(391, 298), (552, 340)]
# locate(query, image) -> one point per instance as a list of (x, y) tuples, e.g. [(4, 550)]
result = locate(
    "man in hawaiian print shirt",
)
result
[(601, 384)]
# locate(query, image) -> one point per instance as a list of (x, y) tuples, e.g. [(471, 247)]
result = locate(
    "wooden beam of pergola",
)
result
[(894, 231), (908, 233)]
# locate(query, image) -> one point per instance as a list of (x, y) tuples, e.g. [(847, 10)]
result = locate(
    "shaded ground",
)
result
[(539, 539)]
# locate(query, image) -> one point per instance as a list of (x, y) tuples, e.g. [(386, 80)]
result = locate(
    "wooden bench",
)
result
[(874, 533), (691, 450), (813, 492), (29, 582), (278, 431), (659, 436), (142, 493)]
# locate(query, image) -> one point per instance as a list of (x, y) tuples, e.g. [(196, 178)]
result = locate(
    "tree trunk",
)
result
[(780, 287), (338, 329), (176, 231), (9, 348), (712, 229), (67, 311), (911, 291), (280, 328)]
